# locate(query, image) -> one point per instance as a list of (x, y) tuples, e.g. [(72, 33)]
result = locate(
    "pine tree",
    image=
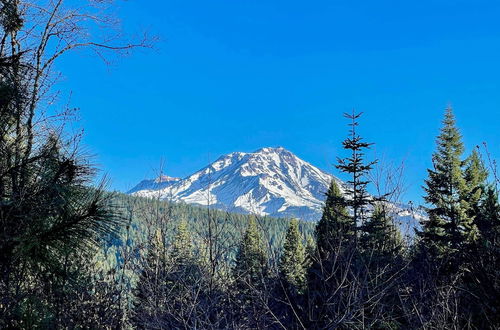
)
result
[(250, 280), (475, 176), (292, 262), (337, 260), (355, 166), (169, 289), (151, 290), (335, 224), (381, 250), (488, 221), (182, 245), (449, 226), (381, 238), (50, 215), (251, 259), (482, 280)]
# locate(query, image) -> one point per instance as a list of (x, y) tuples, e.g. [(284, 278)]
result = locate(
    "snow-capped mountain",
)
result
[(159, 183), (269, 181)]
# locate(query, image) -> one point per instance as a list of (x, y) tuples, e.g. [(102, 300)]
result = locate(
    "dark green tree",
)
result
[(291, 282), (357, 168), (488, 221), (483, 279), (335, 224), (450, 226), (335, 294), (381, 239), (169, 290), (475, 175), (251, 259), (51, 218), (292, 262), (251, 287), (182, 247), (381, 246)]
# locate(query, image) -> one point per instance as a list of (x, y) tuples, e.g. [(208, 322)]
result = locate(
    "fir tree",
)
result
[(182, 245), (450, 225), (381, 250), (251, 277), (381, 238), (482, 280), (475, 175), (337, 260), (151, 290), (488, 221), (169, 288), (292, 262), (355, 166), (251, 258), (335, 224)]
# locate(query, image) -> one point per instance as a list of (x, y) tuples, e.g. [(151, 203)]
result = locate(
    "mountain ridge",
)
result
[(269, 181)]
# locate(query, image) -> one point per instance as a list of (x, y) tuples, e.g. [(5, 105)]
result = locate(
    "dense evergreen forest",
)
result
[(73, 255)]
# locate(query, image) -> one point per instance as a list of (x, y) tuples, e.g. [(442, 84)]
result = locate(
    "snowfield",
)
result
[(269, 181)]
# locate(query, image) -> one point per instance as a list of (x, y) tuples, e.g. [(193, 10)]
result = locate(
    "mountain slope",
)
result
[(269, 181)]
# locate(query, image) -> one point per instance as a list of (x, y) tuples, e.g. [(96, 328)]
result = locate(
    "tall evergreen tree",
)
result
[(292, 262), (49, 215), (357, 168), (251, 259), (482, 279), (381, 238), (182, 244), (450, 225), (335, 224), (151, 289), (381, 247), (251, 279), (337, 259), (291, 283), (488, 221), (475, 175), (169, 289)]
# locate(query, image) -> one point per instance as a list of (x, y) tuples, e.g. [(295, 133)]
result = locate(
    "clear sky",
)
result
[(238, 75)]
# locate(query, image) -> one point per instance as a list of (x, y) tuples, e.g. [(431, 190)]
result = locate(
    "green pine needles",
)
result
[(292, 266), (451, 222)]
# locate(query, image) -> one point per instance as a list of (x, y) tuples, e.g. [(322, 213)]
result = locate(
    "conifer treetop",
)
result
[(356, 167)]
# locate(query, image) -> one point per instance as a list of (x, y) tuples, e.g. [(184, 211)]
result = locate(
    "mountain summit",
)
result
[(269, 181)]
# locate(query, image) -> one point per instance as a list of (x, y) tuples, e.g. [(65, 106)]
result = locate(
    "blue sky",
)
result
[(240, 75)]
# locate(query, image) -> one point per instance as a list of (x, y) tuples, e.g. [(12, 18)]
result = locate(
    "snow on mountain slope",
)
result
[(154, 184), (269, 181)]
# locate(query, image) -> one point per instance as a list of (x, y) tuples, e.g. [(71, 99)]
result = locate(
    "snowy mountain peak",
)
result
[(158, 183), (268, 181)]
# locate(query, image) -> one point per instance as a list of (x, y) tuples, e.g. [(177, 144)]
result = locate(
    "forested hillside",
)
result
[(73, 255)]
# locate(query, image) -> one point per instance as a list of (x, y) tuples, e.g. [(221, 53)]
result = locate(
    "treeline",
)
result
[(76, 256), (358, 272)]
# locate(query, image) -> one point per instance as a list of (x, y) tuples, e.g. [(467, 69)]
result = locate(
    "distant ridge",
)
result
[(268, 181)]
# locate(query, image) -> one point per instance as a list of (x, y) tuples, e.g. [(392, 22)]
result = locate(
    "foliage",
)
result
[(293, 260), (75, 256), (450, 225)]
